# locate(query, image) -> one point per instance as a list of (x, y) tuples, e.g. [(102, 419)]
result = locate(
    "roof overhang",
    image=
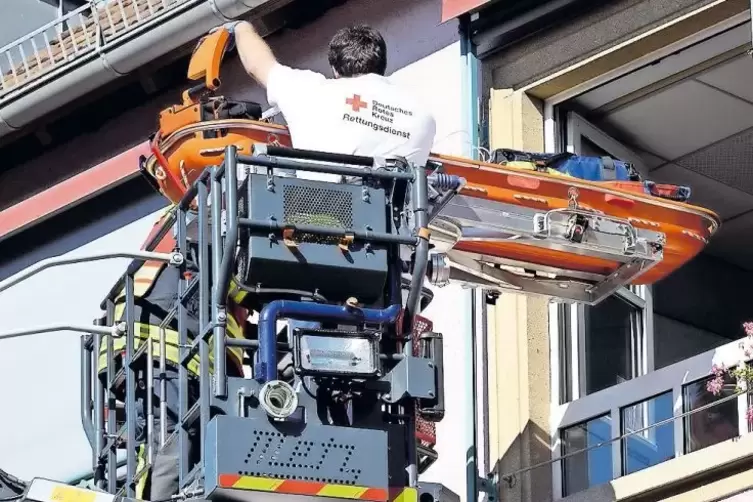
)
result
[(612, 59)]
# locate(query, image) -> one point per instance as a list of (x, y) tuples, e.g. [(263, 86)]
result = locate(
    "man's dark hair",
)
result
[(358, 50)]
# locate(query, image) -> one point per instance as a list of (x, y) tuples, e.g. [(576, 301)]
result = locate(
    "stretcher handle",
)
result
[(295, 153)]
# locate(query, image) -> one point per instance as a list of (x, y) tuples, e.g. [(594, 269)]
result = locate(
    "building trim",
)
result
[(456, 8), (626, 52), (71, 192)]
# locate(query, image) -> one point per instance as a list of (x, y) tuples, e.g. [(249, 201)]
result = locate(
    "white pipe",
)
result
[(102, 330), (174, 258)]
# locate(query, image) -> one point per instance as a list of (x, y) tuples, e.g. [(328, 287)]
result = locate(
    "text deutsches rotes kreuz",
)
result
[(386, 113)]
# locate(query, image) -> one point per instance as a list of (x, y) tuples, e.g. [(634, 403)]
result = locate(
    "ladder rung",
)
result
[(139, 474), (139, 352), (112, 442), (120, 374), (191, 415), (192, 350), (194, 474), (190, 289)]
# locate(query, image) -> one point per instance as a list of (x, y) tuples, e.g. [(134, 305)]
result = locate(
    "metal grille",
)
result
[(317, 206), (73, 38), (426, 432), (275, 455)]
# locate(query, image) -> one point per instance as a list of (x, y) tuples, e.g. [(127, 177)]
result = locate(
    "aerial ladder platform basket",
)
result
[(355, 418)]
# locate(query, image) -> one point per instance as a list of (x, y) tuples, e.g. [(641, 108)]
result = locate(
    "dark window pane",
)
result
[(592, 467), (565, 353), (651, 445), (608, 333), (714, 424)]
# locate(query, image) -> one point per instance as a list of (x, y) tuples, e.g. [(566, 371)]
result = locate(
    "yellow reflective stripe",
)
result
[(172, 350), (406, 495), (141, 484), (143, 279), (342, 491), (235, 293)]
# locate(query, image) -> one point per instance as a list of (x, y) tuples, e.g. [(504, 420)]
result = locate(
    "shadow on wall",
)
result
[(529, 448), (79, 226)]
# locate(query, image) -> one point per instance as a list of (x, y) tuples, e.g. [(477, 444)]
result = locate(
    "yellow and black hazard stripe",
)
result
[(317, 489)]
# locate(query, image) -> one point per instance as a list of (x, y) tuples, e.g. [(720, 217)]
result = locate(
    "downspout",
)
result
[(470, 107), (142, 45)]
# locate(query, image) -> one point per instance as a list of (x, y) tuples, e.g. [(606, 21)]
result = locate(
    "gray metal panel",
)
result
[(435, 492), (337, 275), (286, 450)]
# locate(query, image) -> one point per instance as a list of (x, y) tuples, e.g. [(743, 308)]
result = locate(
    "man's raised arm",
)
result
[(256, 55)]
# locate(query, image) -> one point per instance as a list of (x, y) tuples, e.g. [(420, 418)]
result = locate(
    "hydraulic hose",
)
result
[(306, 311)]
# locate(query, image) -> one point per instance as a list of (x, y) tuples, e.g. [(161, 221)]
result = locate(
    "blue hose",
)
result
[(266, 370)]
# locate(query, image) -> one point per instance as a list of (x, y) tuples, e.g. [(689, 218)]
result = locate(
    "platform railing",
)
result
[(214, 191), (72, 39)]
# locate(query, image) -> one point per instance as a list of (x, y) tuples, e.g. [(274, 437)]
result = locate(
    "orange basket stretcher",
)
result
[(507, 229)]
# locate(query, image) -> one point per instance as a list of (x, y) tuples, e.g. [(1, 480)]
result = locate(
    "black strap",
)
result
[(610, 171)]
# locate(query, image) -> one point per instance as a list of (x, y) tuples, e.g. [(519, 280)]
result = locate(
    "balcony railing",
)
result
[(646, 421), (74, 38)]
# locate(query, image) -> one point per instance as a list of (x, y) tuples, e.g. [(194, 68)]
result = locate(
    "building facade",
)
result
[(612, 401)]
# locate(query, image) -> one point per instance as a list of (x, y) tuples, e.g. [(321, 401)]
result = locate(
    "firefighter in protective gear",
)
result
[(155, 294)]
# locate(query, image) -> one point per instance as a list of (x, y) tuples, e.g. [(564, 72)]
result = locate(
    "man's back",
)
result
[(362, 115)]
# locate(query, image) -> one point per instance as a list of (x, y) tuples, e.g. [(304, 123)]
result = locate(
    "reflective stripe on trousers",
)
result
[(141, 484)]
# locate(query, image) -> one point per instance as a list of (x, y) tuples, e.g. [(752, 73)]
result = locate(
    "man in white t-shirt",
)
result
[(358, 112)]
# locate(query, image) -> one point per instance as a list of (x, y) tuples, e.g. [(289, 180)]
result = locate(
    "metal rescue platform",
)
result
[(355, 419)]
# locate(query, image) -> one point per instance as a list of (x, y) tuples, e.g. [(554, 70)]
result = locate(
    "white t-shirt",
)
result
[(365, 115)]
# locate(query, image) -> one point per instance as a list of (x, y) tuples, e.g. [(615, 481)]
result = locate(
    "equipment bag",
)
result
[(577, 166)]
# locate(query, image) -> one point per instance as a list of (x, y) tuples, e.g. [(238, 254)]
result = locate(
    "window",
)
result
[(612, 331), (565, 353), (713, 424), (611, 341), (646, 443), (588, 468)]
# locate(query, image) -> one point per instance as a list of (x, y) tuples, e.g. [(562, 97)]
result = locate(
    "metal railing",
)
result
[(73, 39), (511, 479)]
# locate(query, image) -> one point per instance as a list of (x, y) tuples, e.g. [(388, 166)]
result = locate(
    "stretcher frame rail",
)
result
[(574, 229)]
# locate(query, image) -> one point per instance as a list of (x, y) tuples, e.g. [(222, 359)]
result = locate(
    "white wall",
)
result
[(40, 426), (39, 376)]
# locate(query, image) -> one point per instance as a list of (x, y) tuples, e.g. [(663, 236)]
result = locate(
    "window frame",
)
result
[(572, 378)]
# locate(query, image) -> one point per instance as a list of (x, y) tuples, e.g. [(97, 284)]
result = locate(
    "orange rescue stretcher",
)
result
[(508, 228)]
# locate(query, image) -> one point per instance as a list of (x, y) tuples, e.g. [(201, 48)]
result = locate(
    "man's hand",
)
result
[(230, 27), (255, 54)]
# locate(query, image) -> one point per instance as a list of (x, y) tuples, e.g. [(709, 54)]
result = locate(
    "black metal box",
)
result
[(317, 262)]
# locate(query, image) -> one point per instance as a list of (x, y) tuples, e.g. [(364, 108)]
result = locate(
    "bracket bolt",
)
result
[(119, 330), (176, 259)]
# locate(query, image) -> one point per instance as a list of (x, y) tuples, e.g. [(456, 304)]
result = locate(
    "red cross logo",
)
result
[(355, 102)]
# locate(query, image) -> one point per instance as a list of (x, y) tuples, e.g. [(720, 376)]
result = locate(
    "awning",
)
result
[(454, 8)]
